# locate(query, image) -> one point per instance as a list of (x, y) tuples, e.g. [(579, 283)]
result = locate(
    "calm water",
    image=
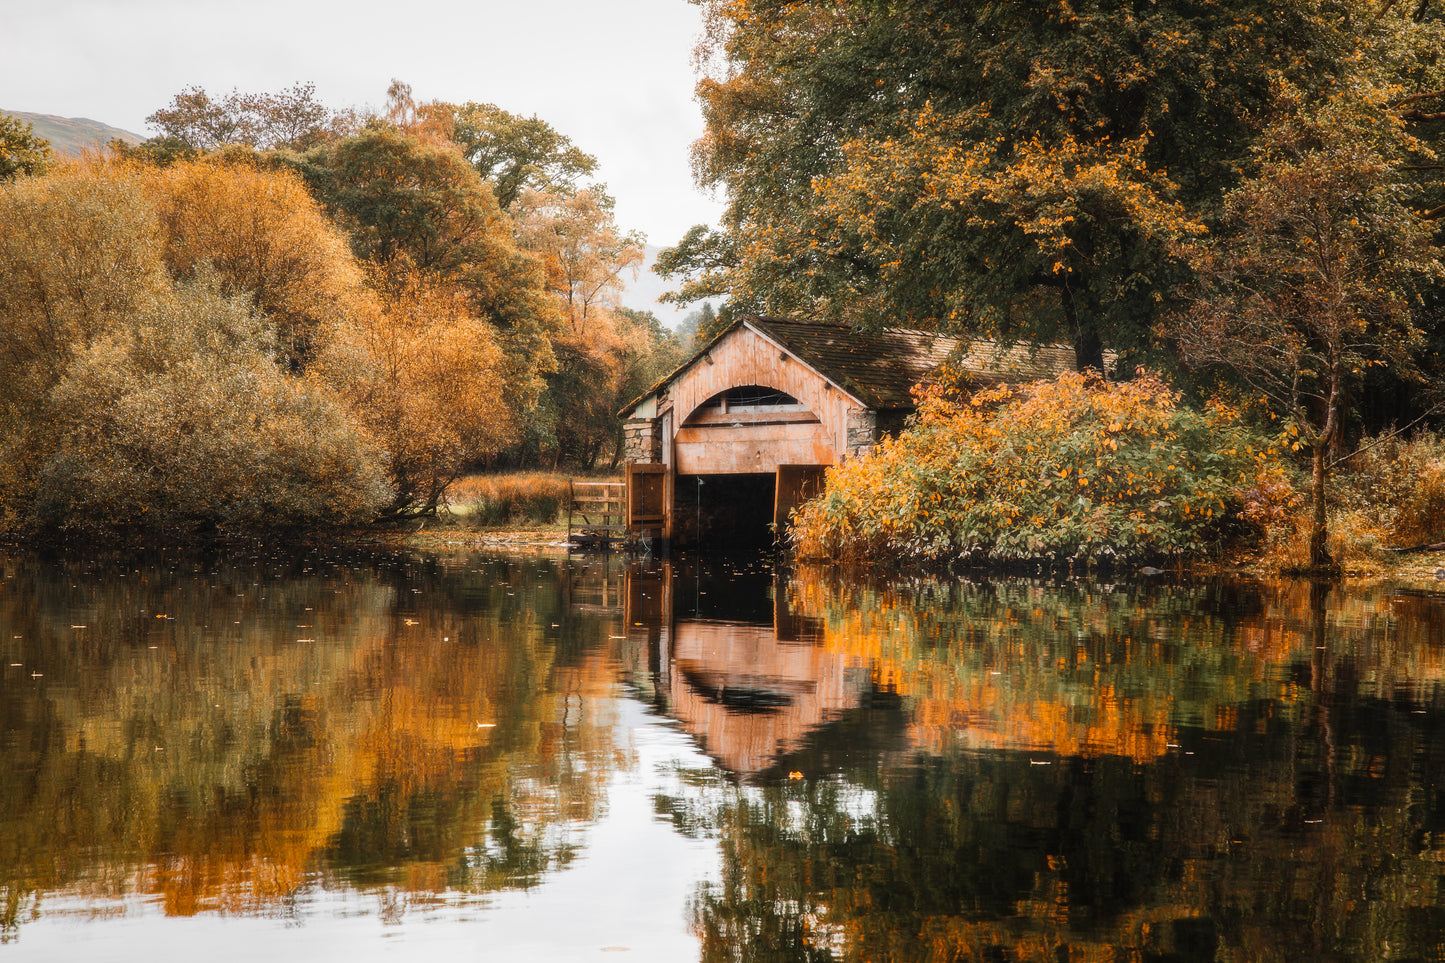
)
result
[(526, 758)]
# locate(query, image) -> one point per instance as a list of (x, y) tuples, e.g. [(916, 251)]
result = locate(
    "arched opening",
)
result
[(751, 402), (738, 458)]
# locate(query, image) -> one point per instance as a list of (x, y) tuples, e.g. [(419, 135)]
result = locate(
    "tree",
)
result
[(22, 153), (428, 379), (584, 253), (79, 256), (263, 236), (425, 218), (1316, 277), (703, 260), (290, 118), (1403, 43), (412, 205), (649, 353), (943, 164), (182, 420), (514, 153)]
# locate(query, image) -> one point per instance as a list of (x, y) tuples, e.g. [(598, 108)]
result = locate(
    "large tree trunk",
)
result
[(1088, 346)]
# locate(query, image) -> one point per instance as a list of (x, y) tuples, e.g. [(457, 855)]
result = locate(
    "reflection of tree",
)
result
[(1283, 821), (218, 734)]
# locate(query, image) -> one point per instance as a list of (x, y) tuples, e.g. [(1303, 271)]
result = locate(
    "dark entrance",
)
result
[(723, 511)]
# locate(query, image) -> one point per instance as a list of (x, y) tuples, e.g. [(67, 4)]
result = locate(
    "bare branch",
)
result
[(1416, 98)]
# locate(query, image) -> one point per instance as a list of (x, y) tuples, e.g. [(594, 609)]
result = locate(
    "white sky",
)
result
[(614, 77)]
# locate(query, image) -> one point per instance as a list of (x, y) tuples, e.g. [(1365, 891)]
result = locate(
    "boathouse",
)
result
[(721, 450)]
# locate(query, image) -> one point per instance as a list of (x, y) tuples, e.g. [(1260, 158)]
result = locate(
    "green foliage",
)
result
[(410, 205), (1072, 470), (701, 261), (514, 153), (927, 162), (22, 152)]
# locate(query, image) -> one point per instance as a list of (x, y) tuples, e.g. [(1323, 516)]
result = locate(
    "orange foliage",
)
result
[(1074, 469)]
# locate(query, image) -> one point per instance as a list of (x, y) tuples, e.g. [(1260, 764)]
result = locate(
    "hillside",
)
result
[(643, 292), (72, 135)]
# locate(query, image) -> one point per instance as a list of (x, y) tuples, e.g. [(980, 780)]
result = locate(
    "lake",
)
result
[(530, 757)]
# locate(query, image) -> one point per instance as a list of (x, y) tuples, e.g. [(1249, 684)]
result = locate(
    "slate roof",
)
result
[(880, 368)]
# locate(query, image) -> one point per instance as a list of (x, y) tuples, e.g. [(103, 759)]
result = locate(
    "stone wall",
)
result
[(642, 440), (862, 431)]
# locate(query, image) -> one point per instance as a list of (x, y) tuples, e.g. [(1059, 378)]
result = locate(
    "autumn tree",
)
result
[(181, 420), (264, 237), (290, 118), (1018, 170), (1316, 273), (700, 326), (428, 379), (586, 256), (650, 352), (79, 256), (131, 400), (22, 151)]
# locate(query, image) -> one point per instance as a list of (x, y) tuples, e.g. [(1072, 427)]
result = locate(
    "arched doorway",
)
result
[(744, 458)]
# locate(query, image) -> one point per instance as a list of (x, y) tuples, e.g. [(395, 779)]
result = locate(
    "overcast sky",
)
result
[(616, 78)]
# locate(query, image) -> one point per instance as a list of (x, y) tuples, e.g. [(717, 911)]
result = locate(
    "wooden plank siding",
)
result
[(750, 449), (750, 358)]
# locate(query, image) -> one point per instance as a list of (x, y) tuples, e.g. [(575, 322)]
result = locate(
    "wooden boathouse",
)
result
[(721, 450)]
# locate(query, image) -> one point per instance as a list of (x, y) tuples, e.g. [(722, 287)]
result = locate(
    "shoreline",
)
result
[(1427, 567)]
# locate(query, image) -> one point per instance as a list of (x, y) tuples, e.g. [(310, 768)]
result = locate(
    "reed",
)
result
[(521, 498)]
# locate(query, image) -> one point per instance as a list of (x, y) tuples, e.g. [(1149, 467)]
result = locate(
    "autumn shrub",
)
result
[(536, 498), (1390, 493), (184, 421), (1074, 470)]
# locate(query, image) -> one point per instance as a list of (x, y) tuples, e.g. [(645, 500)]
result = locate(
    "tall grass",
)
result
[(524, 498), (1389, 494)]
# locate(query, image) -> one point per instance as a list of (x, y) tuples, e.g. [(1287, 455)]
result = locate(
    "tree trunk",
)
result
[(1320, 559), (1088, 346)]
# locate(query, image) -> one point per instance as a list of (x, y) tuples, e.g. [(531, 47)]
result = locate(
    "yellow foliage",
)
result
[(265, 236), (1101, 471)]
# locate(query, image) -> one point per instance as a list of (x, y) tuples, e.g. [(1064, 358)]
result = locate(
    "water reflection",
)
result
[(1078, 772), (916, 770), (216, 735)]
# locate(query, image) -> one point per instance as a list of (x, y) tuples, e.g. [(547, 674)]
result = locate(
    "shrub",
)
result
[(1072, 470), (1389, 494), (186, 423)]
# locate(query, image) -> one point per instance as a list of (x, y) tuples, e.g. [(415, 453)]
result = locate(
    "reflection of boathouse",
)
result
[(754, 688), (765, 688), (734, 438)]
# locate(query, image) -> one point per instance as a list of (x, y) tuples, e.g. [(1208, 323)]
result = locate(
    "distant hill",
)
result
[(642, 294), (73, 135)]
